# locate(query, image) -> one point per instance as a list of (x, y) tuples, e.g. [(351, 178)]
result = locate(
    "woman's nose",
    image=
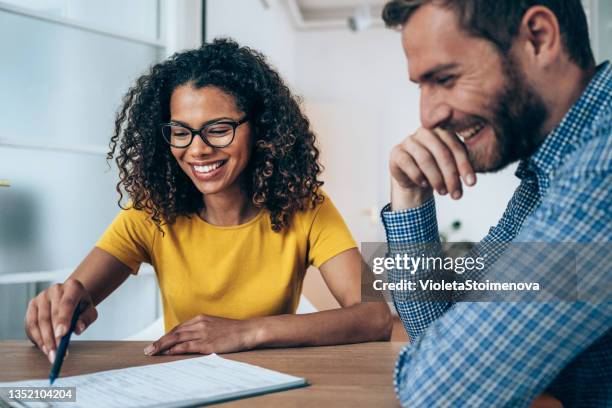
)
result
[(198, 146)]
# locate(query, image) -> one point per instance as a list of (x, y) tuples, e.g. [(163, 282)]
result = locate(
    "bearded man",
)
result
[(504, 81)]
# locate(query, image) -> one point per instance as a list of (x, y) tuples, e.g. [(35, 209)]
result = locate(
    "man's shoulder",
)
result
[(594, 154)]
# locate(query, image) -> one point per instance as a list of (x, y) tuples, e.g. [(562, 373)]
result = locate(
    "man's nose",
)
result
[(435, 111)]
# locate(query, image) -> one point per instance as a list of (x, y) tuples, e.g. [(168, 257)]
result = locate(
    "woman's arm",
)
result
[(100, 273), (354, 322), (49, 313)]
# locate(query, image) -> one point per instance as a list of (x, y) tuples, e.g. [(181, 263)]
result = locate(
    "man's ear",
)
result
[(540, 36)]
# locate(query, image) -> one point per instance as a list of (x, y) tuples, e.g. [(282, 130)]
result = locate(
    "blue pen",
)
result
[(63, 346)]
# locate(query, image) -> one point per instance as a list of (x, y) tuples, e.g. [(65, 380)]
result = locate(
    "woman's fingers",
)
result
[(86, 318), (192, 323), (31, 325), (54, 294), (192, 346), (170, 339), (73, 292), (46, 329)]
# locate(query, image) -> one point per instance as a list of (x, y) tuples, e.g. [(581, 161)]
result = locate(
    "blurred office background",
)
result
[(66, 64)]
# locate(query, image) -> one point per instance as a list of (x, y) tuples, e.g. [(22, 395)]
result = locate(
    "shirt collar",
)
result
[(569, 133)]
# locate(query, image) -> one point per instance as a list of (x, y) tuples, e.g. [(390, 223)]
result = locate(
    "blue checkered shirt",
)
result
[(504, 354)]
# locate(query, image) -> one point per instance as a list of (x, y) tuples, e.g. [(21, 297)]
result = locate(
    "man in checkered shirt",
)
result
[(504, 81)]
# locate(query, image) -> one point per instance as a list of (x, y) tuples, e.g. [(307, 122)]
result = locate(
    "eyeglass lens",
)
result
[(217, 134)]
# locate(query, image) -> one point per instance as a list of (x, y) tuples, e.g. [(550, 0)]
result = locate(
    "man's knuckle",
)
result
[(421, 133), (447, 157), (421, 156)]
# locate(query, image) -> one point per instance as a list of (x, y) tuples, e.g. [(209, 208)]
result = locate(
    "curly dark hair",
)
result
[(284, 162)]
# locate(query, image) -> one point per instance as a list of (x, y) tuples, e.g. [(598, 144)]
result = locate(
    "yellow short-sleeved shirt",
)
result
[(238, 271)]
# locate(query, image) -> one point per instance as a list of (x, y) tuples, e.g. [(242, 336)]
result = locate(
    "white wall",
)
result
[(268, 30), (181, 25)]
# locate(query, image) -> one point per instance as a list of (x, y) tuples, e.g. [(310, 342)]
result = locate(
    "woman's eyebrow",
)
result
[(178, 122)]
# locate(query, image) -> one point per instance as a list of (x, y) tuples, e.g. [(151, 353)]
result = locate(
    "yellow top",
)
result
[(237, 272)]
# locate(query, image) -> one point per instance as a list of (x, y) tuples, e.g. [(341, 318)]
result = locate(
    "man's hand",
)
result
[(205, 335), (425, 161)]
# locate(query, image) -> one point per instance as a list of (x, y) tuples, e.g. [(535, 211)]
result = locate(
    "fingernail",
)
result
[(470, 179), (149, 349), (52, 356), (45, 350), (442, 191), (424, 183), (80, 327), (456, 195), (59, 330)]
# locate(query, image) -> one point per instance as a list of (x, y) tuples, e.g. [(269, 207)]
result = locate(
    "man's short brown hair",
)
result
[(498, 21)]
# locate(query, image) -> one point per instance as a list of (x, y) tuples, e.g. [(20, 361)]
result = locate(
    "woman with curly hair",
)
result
[(221, 170)]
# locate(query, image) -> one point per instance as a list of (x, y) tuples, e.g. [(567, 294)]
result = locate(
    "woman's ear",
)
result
[(540, 37)]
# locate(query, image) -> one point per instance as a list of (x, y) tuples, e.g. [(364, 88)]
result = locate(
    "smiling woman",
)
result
[(221, 170)]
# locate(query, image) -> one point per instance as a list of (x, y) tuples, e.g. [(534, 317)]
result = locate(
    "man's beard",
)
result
[(518, 117)]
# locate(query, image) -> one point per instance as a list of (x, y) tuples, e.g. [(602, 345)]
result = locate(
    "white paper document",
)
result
[(189, 382)]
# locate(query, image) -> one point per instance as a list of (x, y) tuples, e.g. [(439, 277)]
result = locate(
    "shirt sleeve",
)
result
[(413, 232), (328, 234), (129, 238), (506, 353), (411, 226)]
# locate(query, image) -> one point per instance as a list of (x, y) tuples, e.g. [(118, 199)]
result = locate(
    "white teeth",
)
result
[(470, 132), (208, 168)]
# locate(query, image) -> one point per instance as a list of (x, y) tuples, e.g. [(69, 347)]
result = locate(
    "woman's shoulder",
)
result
[(324, 210), (135, 217)]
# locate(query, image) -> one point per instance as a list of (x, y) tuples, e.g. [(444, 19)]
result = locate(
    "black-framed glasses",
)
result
[(217, 133)]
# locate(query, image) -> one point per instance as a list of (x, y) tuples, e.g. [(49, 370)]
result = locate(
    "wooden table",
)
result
[(357, 375)]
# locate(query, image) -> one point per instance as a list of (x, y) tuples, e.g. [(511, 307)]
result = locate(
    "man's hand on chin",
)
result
[(425, 161)]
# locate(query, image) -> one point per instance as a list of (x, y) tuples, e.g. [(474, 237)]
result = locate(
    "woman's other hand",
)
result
[(206, 335)]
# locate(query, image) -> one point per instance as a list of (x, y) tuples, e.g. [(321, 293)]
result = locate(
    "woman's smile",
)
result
[(208, 171)]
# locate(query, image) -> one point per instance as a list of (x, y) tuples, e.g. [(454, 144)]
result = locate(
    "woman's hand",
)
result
[(49, 314), (205, 335)]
